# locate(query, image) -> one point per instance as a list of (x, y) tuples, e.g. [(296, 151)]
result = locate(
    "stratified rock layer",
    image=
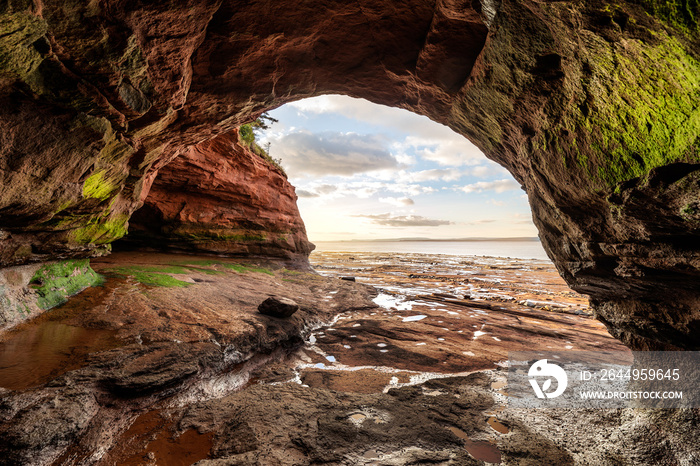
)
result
[(591, 106), (221, 197)]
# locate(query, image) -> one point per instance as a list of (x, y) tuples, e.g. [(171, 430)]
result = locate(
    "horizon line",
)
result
[(374, 240)]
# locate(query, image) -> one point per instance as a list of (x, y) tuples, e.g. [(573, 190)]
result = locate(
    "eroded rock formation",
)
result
[(591, 106), (221, 197)]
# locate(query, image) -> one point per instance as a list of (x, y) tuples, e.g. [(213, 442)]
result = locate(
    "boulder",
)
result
[(278, 307)]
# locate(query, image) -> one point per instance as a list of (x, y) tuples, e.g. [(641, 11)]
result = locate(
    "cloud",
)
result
[(498, 186), (404, 220), (491, 169), (450, 150), (317, 190), (430, 140), (332, 153), (305, 193), (482, 222), (363, 189), (398, 202), (435, 174)]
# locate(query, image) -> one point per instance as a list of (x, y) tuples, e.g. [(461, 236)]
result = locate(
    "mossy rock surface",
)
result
[(57, 281)]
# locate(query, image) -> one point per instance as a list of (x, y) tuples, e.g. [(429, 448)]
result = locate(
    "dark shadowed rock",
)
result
[(278, 307)]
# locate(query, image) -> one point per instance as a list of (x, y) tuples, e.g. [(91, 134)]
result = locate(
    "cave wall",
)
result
[(221, 197), (592, 106)]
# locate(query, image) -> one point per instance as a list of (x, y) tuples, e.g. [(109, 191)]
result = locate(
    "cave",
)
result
[(591, 108), (124, 121)]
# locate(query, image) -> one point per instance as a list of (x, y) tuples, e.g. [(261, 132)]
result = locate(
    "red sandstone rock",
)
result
[(221, 197), (592, 108)]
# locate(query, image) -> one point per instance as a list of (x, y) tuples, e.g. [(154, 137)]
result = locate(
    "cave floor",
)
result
[(134, 372)]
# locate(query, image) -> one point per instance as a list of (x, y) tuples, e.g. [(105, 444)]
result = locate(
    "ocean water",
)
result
[(514, 249)]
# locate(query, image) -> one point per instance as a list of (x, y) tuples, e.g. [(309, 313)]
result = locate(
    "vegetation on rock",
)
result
[(247, 137), (55, 282)]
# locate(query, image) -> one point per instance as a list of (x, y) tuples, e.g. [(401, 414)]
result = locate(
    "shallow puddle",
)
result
[(149, 440), (37, 352), (479, 449), (53, 343), (497, 426), (499, 384)]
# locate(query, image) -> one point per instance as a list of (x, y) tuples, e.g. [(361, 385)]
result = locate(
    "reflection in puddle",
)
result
[(414, 318), (371, 454), (45, 347), (150, 436), (497, 426), (388, 301), (358, 417), (41, 350), (479, 449)]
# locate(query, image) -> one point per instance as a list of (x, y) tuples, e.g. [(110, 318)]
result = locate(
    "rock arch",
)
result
[(591, 106)]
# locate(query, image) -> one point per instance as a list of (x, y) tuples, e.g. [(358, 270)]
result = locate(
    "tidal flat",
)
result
[(392, 359)]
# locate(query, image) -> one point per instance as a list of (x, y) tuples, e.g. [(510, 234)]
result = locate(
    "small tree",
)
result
[(264, 122)]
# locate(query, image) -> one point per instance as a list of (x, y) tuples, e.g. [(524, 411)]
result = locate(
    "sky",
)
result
[(364, 171)]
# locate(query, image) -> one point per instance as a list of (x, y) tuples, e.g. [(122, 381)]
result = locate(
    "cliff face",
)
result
[(221, 197), (591, 106)]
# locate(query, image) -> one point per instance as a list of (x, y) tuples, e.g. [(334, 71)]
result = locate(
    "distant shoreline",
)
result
[(402, 240), (523, 248)]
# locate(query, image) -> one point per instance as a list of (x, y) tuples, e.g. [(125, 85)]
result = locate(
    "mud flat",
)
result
[(170, 363)]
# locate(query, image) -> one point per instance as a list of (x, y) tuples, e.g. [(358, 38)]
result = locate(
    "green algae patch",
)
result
[(682, 14), (154, 275), (55, 282), (98, 187), (638, 111), (240, 268), (223, 236), (102, 231)]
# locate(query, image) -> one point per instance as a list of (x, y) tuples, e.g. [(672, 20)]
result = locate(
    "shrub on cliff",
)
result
[(246, 135)]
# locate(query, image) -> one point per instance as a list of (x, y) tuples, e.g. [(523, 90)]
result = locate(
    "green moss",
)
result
[(55, 282), (102, 231), (200, 262), (682, 14), (214, 235), (17, 32), (153, 275), (689, 211), (642, 110), (97, 187), (179, 268), (241, 268), (156, 275)]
